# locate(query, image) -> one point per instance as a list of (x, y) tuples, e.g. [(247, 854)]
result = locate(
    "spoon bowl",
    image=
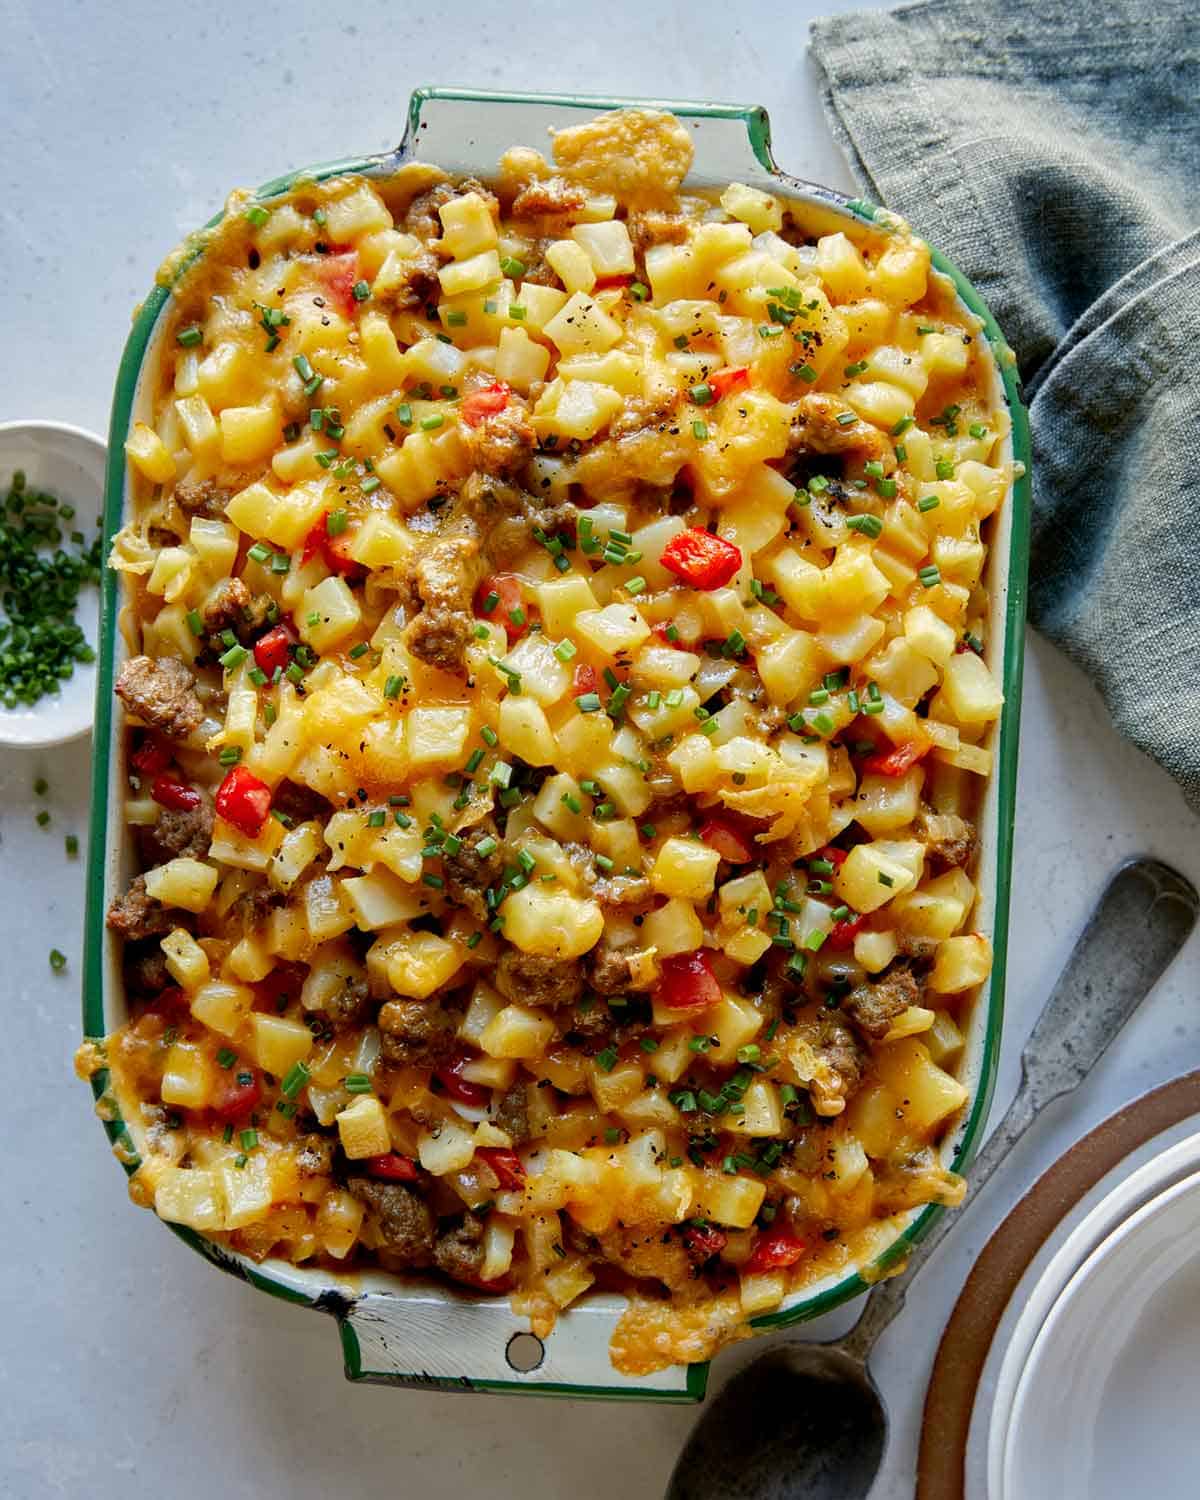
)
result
[(815, 1427)]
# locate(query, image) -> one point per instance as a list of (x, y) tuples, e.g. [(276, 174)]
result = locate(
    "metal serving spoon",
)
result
[(806, 1421)]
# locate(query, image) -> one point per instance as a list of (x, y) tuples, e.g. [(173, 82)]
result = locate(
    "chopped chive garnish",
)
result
[(701, 395), (58, 961), (190, 336), (431, 423), (847, 419), (588, 703), (565, 650), (929, 575), (928, 502), (700, 430), (513, 267), (868, 525)]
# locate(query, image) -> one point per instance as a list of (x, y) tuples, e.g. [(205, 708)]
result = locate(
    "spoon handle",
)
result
[(1141, 921)]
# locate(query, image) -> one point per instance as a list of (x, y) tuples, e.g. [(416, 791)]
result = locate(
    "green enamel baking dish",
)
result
[(421, 1333)]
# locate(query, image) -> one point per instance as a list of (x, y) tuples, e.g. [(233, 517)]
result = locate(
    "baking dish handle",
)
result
[(459, 128), (445, 1341)]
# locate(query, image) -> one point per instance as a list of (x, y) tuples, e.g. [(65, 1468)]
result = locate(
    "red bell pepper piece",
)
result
[(168, 792), (460, 1088), (338, 274), (688, 982), (584, 680), (842, 934), (774, 1249), (701, 560), (731, 378), (476, 405), (273, 650), (507, 587), (153, 755), (896, 762), (729, 842), (392, 1167), (507, 1165), (238, 1094), (832, 853), (331, 548), (703, 1241), (244, 801)]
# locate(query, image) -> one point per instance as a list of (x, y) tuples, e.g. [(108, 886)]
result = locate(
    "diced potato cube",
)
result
[(761, 211), (902, 272), (763, 1113), (447, 1147), (943, 1039), (328, 614), (561, 600), (945, 354), (362, 1129), (971, 690), (673, 928), (841, 267), (519, 360), (278, 1043), (734, 1022), (615, 628), (582, 327), (187, 962), (572, 265), (575, 409), (470, 275), (607, 246), (191, 1195), (380, 900), (869, 877), (885, 804), (517, 1031), (550, 921), (187, 1078), (200, 430), (554, 813), (379, 542), (732, 1201), (912, 1021), (184, 882), (961, 964), (879, 401), (421, 962), (339, 1219), (929, 635), (925, 1094), (760, 1291), (222, 1006), (875, 950), (685, 867), (541, 303), (358, 212), (249, 433), (437, 736), (938, 908), (149, 455), (467, 226)]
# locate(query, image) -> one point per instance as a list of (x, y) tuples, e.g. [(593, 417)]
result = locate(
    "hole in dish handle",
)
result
[(443, 1341)]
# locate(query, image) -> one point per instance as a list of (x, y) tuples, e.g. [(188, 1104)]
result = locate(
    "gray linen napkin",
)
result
[(1052, 150)]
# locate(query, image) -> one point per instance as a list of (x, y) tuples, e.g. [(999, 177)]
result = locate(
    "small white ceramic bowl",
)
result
[(69, 462)]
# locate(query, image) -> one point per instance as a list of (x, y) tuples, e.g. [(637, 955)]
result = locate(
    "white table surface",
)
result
[(129, 1366)]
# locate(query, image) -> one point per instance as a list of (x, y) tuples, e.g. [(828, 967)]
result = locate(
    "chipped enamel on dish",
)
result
[(413, 1332)]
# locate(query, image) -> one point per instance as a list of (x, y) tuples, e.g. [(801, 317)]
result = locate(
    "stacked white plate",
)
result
[(1089, 1389)]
